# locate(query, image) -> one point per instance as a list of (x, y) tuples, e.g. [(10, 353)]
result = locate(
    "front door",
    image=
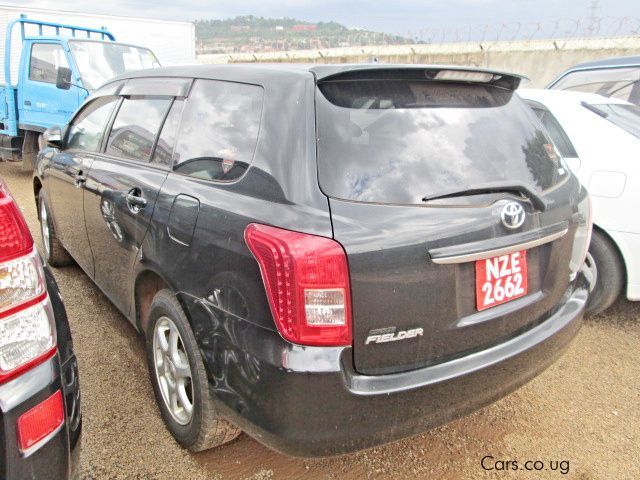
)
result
[(121, 191), (40, 102), (65, 181)]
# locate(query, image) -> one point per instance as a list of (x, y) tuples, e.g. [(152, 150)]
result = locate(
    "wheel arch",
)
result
[(148, 282)]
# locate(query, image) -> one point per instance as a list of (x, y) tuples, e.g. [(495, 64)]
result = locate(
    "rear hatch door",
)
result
[(453, 208)]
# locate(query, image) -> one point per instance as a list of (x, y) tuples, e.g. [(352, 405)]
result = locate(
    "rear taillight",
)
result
[(27, 329), (582, 238), (37, 425), (306, 278)]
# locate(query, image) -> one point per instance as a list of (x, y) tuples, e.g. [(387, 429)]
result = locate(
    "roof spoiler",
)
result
[(439, 73)]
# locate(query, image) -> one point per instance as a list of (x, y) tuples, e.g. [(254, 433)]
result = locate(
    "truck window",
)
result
[(136, 127), (219, 130), (86, 129), (45, 60)]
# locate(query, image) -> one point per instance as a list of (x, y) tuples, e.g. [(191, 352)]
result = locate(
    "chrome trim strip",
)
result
[(470, 257)]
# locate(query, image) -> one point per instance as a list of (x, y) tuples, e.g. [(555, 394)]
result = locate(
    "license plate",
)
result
[(501, 279)]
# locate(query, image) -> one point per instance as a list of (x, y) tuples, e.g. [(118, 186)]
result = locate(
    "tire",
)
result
[(610, 274), (202, 428), (54, 253)]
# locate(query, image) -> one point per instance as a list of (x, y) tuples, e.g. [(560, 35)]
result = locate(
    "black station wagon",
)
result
[(326, 257)]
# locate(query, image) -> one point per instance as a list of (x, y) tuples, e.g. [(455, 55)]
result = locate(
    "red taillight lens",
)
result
[(35, 425), (15, 239), (306, 278), (27, 329)]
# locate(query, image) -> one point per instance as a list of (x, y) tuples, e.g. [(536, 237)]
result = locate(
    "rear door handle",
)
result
[(79, 179), (27, 103), (135, 200)]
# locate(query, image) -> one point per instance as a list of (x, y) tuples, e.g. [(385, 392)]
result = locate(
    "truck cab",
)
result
[(60, 65)]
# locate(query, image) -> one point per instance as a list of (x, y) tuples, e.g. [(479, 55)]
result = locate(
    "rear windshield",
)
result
[(397, 141), (622, 83), (626, 117)]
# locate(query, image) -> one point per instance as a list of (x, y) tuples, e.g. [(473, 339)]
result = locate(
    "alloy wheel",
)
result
[(44, 226), (173, 372)]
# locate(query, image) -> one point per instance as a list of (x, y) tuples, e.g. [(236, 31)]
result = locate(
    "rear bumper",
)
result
[(59, 456), (310, 401)]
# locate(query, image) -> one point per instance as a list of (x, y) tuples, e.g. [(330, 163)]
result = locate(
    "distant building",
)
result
[(239, 28), (279, 27), (304, 28)]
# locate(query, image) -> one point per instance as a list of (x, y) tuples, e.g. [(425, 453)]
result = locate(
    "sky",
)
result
[(405, 17)]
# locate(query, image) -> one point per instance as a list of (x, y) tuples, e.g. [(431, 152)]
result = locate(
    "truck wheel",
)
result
[(610, 277), (180, 380), (54, 253)]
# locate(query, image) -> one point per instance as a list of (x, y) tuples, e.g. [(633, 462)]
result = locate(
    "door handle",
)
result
[(27, 103), (135, 200), (79, 179)]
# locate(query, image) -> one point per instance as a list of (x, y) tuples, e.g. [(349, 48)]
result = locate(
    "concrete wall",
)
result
[(540, 60)]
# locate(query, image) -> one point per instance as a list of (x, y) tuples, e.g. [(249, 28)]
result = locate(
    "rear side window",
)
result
[(555, 130), (87, 128), (45, 60), (397, 141), (136, 127), (219, 130)]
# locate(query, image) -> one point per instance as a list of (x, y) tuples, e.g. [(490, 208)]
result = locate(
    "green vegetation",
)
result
[(259, 34)]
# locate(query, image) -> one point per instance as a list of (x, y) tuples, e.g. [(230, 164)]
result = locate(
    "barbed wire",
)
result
[(560, 28)]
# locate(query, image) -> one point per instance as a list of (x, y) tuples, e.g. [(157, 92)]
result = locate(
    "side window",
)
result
[(136, 127), (219, 130), (87, 128), (556, 132), (45, 60), (167, 140)]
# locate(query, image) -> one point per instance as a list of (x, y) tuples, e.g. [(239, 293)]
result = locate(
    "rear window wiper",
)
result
[(594, 109), (535, 198)]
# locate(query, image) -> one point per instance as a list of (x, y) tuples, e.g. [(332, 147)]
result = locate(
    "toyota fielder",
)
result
[(326, 257)]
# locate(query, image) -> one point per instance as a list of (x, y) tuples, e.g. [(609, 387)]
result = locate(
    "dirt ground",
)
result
[(581, 415)]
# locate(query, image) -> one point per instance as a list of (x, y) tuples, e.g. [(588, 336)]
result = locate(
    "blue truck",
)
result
[(59, 67)]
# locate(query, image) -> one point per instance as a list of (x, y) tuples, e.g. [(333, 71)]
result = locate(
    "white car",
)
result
[(599, 138)]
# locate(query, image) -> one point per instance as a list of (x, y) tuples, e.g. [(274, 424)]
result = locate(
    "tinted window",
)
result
[(397, 141), (136, 127), (219, 130), (167, 140), (626, 117), (87, 128), (45, 60), (555, 130)]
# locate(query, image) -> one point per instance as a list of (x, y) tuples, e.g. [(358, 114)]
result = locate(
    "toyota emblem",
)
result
[(512, 215)]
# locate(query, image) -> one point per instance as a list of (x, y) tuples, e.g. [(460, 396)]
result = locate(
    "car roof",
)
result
[(250, 71), (608, 62), (542, 95)]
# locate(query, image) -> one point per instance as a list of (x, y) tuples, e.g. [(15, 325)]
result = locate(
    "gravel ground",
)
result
[(583, 411)]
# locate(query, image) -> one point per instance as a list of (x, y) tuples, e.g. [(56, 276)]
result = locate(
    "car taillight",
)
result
[(27, 329), (306, 278), (582, 238), (36, 426)]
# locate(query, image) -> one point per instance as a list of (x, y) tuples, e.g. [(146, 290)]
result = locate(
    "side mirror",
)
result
[(53, 136), (63, 78)]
